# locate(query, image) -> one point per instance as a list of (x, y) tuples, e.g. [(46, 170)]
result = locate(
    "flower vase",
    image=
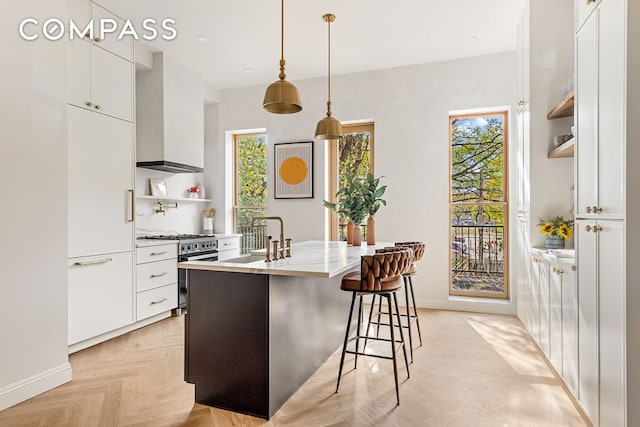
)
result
[(193, 195), (371, 230), (357, 236), (350, 232), (554, 242)]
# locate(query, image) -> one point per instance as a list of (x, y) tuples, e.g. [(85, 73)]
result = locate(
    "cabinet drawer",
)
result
[(100, 295), (155, 274), (156, 253), (156, 301), (228, 244)]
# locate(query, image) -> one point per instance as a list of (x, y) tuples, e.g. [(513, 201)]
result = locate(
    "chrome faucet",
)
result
[(282, 239)]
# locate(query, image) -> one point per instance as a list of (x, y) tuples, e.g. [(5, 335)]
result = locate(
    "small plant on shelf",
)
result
[(556, 229)]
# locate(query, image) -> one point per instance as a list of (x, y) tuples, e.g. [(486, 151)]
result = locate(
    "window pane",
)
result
[(477, 159), (251, 178)]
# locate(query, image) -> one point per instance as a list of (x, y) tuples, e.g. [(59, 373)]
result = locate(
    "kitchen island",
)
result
[(256, 331)]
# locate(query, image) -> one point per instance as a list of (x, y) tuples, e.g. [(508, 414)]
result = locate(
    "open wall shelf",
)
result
[(563, 109), (565, 150)]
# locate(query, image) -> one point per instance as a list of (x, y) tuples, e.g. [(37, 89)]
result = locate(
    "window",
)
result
[(250, 183), (478, 205), (351, 154)]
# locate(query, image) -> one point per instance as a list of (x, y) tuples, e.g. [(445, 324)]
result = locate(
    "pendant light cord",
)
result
[(329, 69), (282, 75)]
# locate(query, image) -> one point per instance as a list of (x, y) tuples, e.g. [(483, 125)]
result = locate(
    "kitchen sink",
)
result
[(245, 259)]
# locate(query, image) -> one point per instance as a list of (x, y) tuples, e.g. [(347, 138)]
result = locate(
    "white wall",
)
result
[(33, 220), (187, 218), (410, 107)]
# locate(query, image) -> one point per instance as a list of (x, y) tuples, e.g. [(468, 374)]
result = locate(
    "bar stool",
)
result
[(380, 274), (418, 251)]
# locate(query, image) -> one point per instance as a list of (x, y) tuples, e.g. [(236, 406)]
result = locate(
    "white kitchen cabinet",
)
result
[(101, 183), (555, 317), (569, 306), (156, 279), (523, 274), (82, 11), (544, 336), (523, 49), (100, 295), (586, 257), (535, 297), (99, 81), (611, 321), (584, 8), (228, 247), (601, 321), (600, 112)]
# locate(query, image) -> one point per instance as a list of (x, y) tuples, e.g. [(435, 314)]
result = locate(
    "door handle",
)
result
[(132, 200), (158, 253), (160, 301)]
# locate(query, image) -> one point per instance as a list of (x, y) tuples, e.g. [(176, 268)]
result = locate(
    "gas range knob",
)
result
[(195, 246)]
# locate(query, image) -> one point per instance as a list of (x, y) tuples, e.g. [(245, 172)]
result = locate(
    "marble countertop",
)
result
[(562, 255), (315, 258)]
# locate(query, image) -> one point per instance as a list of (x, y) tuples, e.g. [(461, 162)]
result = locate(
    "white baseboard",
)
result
[(37, 384), (121, 331), (475, 305)]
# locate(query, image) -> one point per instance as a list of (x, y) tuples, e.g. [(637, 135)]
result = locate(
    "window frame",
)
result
[(505, 203), (235, 175)]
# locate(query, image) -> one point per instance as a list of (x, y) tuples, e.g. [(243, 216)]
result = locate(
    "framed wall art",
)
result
[(293, 170)]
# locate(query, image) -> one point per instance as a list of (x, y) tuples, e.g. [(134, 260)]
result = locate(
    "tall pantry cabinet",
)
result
[(101, 168), (607, 73)]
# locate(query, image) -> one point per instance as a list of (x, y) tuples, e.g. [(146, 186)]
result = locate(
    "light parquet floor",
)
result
[(473, 370)]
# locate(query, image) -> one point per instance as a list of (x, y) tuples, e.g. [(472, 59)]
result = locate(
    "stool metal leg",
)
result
[(355, 365), (366, 335), (379, 311), (393, 347), (415, 311), (408, 310), (404, 346), (346, 338)]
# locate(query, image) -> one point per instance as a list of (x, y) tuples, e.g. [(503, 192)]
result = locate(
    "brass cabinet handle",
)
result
[(88, 104), (160, 301), (597, 228), (154, 276), (98, 39), (589, 2), (158, 253), (587, 227), (93, 262), (98, 106), (520, 103), (588, 210), (596, 209)]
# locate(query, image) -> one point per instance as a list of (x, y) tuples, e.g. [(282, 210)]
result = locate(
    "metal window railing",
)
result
[(477, 257)]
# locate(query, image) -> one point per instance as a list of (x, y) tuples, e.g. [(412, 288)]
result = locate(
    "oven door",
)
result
[(183, 279)]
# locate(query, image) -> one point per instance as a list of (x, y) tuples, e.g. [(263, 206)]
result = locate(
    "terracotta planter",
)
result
[(371, 230), (350, 232), (357, 236)]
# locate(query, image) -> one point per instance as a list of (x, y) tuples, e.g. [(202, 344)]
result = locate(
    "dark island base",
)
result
[(252, 340)]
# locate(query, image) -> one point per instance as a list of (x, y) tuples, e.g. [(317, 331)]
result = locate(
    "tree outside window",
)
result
[(250, 178)]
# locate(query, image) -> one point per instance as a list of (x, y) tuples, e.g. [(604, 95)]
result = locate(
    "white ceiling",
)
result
[(243, 46)]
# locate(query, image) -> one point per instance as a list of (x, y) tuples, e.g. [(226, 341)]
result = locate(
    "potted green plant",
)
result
[(373, 193), (556, 229), (351, 204)]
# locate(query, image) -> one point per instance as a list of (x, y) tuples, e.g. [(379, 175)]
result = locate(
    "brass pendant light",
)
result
[(329, 128), (282, 97)]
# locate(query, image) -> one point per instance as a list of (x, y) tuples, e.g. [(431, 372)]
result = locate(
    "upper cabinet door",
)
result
[(111, 84), (79, 73), (611, 111), (123, 47), (587, 117), (523, 58), (584, 8)]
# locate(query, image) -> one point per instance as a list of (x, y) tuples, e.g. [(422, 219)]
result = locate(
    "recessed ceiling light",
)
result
[(247, 70), (474, 37), (202, 38)]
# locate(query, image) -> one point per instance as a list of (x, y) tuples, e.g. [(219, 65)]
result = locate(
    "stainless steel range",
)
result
[(191, 247)]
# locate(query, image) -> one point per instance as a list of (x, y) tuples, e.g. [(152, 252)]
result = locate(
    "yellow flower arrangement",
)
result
[(556, 226)]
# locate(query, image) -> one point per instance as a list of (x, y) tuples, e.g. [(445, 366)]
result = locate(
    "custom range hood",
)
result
[(169, 117)]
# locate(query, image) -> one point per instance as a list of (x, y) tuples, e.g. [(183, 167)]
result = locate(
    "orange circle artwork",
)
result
[(293, 170)]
